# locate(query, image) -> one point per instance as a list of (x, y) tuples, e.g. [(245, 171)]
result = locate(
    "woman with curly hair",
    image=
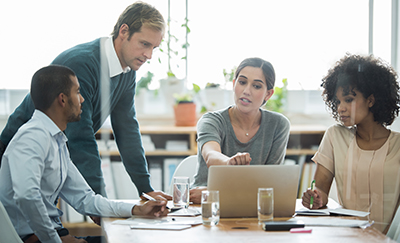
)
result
[(361, 153)]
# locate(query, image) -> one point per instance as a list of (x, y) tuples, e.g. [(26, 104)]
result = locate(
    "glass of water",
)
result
[(210, 207), (181, 192), (265, 204)]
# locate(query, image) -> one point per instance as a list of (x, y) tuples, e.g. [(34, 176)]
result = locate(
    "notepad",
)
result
[(190, 212), (327, 212), (334, 222), (314, 212)]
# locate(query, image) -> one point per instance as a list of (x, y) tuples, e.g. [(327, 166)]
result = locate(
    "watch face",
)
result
[(62, 232)]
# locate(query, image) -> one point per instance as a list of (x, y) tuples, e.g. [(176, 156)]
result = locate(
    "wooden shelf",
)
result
[(163, 133), (302, 136), (307, 129), (300, 151)]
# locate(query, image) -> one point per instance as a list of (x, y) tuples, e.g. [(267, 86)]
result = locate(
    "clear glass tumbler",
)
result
[(210, 207)]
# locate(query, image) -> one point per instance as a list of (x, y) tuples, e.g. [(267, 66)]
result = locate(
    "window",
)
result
[(302, 39)]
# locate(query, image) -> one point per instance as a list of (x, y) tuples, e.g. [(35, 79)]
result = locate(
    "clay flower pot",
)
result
[(185, 114)]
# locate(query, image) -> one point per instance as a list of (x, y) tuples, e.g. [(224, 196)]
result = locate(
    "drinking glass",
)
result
[(265, 203), (181, 192), (210, 207)]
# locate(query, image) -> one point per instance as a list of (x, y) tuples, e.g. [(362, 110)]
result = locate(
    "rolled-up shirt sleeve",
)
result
[(82, 198)]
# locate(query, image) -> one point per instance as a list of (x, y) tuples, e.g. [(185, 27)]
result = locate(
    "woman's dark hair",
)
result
[(48, 82), (266, 67), (370, 76)]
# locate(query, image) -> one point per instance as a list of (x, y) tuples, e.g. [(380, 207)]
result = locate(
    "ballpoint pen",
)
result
[(312, 198), (148, 197)]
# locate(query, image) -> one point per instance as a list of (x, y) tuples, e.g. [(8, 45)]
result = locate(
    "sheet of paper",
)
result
[(185, 212), (343, 211), (325, 212), (158, 221), (314, 212), (333, 221), (161, 226)]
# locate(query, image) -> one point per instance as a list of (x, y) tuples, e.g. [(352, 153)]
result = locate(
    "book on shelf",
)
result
[(108, 177), (124, 187), (170, 165), (148, 145), (177, 145), (155, 170)]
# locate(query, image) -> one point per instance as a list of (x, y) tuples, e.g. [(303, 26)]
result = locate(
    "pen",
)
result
[(312, 198), (148, 197)]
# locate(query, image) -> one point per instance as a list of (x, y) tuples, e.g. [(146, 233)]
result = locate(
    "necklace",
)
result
[(245, 132)]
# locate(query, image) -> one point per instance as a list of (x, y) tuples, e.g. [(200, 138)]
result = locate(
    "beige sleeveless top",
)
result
[(367, 180)]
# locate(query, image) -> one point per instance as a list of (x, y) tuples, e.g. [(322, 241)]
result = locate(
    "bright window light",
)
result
[(302, 39)]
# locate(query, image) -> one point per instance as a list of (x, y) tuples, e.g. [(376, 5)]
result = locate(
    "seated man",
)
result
[(37, 168)]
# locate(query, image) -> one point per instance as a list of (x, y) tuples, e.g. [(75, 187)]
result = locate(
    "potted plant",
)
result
[(218, 96), (175, 50), (185, 108)]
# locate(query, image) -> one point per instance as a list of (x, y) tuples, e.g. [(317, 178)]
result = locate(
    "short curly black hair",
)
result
[(369, 75)]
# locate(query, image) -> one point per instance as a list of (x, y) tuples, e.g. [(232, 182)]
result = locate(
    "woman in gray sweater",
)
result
[(243, 133)]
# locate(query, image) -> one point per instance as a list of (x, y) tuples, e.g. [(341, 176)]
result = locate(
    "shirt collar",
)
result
[(113, 61), (49, 124)]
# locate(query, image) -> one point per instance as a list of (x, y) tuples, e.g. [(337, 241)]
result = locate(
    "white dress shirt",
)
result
[(114, 64), (36, 168)]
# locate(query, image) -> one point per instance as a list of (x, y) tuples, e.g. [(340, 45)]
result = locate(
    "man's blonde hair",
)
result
[(138, 14)]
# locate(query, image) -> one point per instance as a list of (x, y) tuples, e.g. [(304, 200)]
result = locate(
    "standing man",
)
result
[(37, 168), (140, 29)]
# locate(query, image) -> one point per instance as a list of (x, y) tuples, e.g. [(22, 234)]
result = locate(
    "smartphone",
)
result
[(282, 225)]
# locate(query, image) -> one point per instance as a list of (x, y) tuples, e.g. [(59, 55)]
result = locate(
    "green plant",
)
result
[(276, 102), (229, 75), (183, 98), (171, 38), (144, 82), (212, 85), (188, 96)]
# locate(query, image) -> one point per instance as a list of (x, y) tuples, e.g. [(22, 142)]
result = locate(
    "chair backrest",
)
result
[(7, 231), (187, 167), (394, 229)]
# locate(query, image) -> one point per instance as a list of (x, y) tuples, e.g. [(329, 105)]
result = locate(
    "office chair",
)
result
[(187, 167), (394, 229), (8, 234)]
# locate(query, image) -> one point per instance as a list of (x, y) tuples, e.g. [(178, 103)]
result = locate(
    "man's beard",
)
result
[(72, 117)]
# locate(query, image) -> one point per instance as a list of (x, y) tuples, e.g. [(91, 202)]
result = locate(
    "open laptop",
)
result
[(238, 187)]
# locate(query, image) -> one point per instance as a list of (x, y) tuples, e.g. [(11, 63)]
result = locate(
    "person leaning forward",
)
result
[(139, 29)]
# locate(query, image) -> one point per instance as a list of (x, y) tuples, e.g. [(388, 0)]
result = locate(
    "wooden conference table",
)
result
[(239, 230)]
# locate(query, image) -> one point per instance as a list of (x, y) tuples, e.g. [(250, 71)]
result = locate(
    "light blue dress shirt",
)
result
[(35, 170)]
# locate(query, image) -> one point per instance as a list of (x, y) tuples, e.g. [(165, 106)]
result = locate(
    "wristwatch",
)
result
[(62, 232)]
